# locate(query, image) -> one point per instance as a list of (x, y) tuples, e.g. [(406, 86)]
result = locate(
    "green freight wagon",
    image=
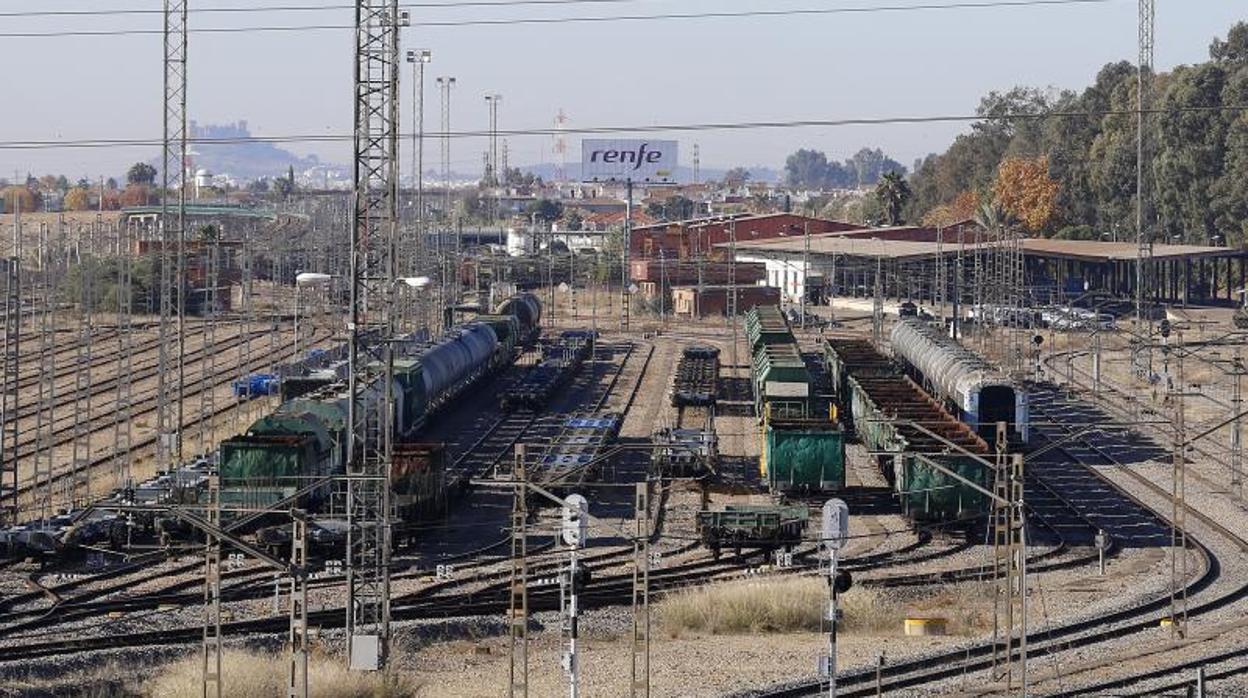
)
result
[(767, 325), (765, 526), (803, 455), (845, 357), (781, 382), (906, 452), (929, 495)]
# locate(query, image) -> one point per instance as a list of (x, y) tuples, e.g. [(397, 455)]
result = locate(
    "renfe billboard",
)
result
[(622, 159)]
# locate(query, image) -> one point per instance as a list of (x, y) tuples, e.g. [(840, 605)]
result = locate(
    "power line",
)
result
[(596, 130), (305, 8), (988, 4)]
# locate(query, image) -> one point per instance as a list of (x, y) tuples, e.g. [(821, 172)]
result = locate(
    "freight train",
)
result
[(912, 435), (803, 445), (304, 442), (560, 362), (982, 394)]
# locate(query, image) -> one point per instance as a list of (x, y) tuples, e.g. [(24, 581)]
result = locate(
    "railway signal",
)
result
[(834, 534), (575, 532)]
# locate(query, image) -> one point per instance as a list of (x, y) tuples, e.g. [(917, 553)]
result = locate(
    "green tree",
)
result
[(545, 210), (573, 220), (892, 192), (141, 173)]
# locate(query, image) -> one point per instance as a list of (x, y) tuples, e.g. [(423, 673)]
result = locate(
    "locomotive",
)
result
[(304, 441)]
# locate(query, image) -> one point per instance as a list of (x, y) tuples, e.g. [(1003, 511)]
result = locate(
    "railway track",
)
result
[(149, 369), (1073, 635), (195, 388)]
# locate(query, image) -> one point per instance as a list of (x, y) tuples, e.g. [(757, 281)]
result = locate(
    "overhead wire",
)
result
[(434, 24), (250, 9), (631, 129)]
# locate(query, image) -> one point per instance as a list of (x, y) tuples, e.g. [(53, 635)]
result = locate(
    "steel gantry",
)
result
[(172, 235), (374, 222)]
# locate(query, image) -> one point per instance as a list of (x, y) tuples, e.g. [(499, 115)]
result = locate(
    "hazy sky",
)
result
[(673, 71)]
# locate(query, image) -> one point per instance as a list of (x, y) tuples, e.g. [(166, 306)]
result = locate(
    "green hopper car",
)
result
[(766, 527)]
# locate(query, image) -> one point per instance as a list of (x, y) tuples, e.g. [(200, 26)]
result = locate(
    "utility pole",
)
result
[(419, 58), (1009, 563), (1178, 498), (374, 232), (518, 610), (445, 84), (805, 269), (172, 236), (731, 300), (1237, 447), (211, 653), (624, 252), (640, 686), (492, 176), (297, 637)]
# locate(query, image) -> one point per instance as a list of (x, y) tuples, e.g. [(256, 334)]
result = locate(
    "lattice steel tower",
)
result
[(172, 227), (374, 231), (1143, 86)]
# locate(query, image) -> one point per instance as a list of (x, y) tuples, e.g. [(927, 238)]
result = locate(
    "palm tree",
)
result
[(990, 216), (892, 192)]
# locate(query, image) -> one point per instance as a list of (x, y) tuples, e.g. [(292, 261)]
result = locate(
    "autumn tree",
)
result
[(960, 209), (77, 199), (16, 197), (1024, 189), (136, 195)]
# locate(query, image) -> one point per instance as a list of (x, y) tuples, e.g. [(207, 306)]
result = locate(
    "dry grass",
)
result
[(774, 606), (255, 675)]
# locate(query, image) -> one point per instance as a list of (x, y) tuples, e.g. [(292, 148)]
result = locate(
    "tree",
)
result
[(78, 199), (259, 186), (136, 195), (141, 173), (962, 208), (1235, 48), (992, 217), (573, 220), (283, 186), (545, 210), (62, 184), (868, 165), (806, 168), (111, 184), (736, 177), (16, 197), (1025, 190), (892, 192), (112, 200), (673, 208)]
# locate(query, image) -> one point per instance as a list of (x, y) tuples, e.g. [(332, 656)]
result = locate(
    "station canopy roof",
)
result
[(850, 244), (844, 245), (1103, 251)]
